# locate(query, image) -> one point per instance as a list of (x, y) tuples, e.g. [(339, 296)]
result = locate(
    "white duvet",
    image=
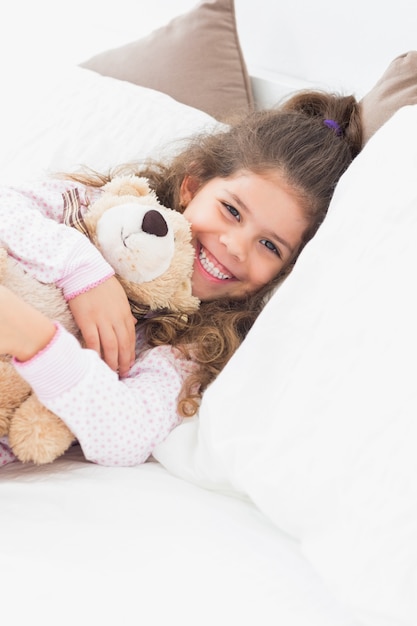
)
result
[(85, 544)]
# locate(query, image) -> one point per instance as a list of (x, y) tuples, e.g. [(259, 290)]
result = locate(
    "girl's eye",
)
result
[(232, 210), (268, 244)]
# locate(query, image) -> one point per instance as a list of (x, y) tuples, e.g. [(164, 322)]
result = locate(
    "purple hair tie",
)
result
[(334, 126)]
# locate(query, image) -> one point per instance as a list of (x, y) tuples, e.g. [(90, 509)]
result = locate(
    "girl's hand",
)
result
[(106, 323), (24, 331)]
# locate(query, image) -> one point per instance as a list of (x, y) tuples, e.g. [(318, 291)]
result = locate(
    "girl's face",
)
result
[(245, 229)]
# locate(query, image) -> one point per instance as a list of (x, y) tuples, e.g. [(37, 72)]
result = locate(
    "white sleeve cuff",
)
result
[(48, 372), (85, 268)]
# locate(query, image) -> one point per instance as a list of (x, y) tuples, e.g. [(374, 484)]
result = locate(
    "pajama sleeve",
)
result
[(6, 454), (32, 231), (117, 422)]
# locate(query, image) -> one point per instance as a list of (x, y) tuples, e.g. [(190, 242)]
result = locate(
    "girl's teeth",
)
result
[(211, 268)]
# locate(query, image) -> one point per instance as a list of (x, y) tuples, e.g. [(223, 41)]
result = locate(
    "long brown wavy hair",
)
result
[(292, 139)]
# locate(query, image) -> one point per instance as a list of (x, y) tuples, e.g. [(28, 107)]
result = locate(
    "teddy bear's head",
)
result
[(148, 245)]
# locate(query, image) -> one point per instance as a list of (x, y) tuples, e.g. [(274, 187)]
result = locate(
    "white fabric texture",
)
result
[(136, 545), (314, 418), (81, 118)]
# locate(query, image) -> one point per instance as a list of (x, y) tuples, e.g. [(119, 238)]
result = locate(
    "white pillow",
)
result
[(315, 417), (77, 117)]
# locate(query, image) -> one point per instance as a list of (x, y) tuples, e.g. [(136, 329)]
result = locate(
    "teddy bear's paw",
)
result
[(13, 391), (5, 419), (37, 435)]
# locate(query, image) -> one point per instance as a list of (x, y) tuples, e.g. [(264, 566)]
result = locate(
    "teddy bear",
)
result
[(149, 247)]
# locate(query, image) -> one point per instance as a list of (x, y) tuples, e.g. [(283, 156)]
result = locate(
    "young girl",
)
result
[(254, 194)]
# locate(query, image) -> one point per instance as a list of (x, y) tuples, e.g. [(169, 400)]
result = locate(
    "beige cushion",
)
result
[(196, 58), (396, 88)]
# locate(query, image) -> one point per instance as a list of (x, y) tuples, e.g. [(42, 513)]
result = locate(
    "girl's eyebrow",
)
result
[(270, 233)]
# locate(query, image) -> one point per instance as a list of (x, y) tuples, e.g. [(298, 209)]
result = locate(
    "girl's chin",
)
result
[(213, 289)]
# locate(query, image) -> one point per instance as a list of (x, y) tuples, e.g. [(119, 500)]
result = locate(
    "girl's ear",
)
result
[(189, 187)]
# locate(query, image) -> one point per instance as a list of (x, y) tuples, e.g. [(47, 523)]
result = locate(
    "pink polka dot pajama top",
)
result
[(116, 421)]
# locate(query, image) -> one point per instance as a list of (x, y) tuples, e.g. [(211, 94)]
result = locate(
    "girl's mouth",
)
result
[(212, 266)]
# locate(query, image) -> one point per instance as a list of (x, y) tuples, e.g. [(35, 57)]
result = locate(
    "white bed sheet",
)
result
[(85, 544)]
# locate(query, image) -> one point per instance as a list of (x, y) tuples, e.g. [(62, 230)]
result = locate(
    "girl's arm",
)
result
[(32, 232), (117, 422), (24, 331)]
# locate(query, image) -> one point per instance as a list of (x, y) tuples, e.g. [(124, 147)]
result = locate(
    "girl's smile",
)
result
[(246, 229), (210, 265)]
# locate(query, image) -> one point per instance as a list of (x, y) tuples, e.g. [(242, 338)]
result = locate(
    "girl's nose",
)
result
[(236, 245)]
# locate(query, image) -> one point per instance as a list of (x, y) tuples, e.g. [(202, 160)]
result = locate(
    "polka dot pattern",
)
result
[(6, 455), (117, 422), (48, 249)]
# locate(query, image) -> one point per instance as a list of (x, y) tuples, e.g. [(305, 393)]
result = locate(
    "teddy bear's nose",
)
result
[(154, 224)]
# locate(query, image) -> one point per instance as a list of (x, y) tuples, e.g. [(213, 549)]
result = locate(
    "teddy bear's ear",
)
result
[(129, 186)]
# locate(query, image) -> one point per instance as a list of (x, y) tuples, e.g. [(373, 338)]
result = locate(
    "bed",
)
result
[(292, 497)]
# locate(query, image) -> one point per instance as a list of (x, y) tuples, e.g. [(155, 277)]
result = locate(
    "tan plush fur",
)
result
[(35, 433)]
